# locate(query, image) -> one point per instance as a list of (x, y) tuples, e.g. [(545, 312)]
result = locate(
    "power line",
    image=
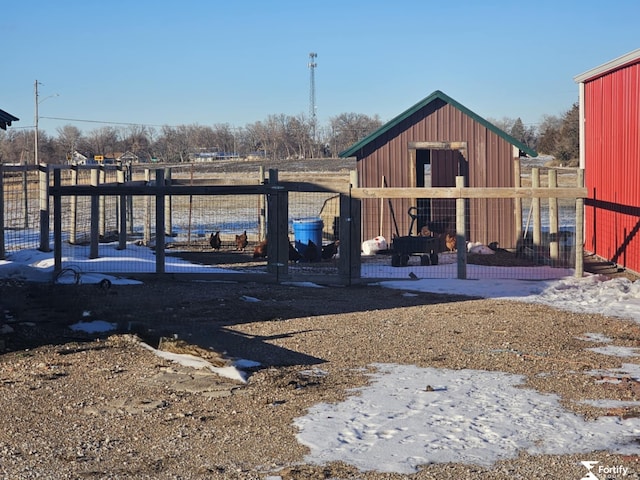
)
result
[(106, 122)]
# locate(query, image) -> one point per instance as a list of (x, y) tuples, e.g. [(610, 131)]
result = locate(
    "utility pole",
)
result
[(35, 144), (312, 94)]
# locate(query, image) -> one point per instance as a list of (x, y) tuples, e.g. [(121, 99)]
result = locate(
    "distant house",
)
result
[(78, 158), (610, 156), (6, 119), (128, 157), (428, 145)]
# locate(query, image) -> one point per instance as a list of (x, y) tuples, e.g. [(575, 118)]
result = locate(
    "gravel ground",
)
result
[(78, 406)]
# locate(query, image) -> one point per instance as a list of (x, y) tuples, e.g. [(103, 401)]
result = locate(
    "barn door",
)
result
[(438, 168)]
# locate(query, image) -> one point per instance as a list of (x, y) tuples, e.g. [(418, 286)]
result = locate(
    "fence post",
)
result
[(73, 207), (129, 201), (122, 199), (43, 175), (25, 195), (102, 202), (349, 261), (277, 227), (168, 204), (580, 228), (146, 235), (535, 208), (461, 240), (554, 244), (262, 212), (3, 252), (518, 201), (160, 226), (95, 216), (57, 223)]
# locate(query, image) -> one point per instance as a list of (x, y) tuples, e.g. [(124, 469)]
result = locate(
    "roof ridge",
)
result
[(437, 94)]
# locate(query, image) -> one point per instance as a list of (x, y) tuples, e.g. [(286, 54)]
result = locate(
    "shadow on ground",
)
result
[(202, 313)]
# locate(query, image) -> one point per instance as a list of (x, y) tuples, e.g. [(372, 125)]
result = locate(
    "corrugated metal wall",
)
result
[(612, 166), (489, 159)]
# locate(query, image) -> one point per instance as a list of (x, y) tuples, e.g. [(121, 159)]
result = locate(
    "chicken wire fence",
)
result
[(20, 224), (430, 248), (427, 244), (226, 229)]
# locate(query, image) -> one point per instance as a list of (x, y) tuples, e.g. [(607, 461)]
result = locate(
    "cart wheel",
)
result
[(404, 260), (434, 258), (395, 260), (425, 260)]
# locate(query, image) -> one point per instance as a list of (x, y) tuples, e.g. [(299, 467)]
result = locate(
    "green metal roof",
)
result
[(426, 101)]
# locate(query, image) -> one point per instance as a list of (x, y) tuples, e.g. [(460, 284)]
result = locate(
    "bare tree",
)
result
[(350, 128), (137, 140), (174, 144), (16, 146), (102, 141), (68, 140)]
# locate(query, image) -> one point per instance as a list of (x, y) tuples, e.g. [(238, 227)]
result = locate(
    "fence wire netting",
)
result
[(430, 246), (21, 208), (427, 246)]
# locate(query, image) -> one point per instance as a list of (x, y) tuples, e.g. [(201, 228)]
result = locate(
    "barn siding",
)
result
[(490, 163), (612, 165)]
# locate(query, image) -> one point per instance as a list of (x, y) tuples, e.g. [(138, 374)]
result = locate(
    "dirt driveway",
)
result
[(77, 405)]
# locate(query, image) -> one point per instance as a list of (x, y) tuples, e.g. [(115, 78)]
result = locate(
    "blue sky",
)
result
[(208, 62)]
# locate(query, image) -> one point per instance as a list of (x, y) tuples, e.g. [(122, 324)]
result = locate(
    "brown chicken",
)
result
[(261, 250), (241, 241), (214, 241), (450, 242)]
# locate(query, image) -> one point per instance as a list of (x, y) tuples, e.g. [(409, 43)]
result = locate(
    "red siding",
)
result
[(490, 163), (612, 165)]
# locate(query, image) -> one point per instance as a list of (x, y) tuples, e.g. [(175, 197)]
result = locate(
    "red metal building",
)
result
[(610, 156)]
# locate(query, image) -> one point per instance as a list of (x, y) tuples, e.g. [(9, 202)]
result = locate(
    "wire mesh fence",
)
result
[(228, 230), (463, 236), (20, 188)]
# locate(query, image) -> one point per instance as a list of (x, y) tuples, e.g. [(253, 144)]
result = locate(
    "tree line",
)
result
[(276, 137)]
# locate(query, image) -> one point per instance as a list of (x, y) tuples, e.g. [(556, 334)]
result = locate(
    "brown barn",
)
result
[(428, 145)]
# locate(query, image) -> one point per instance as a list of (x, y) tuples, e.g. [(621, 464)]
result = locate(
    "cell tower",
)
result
[(312, 86)]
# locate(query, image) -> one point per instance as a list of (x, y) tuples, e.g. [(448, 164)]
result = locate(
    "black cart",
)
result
[(424, 247)]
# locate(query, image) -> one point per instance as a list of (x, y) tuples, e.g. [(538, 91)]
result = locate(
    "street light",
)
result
[(37, 102)]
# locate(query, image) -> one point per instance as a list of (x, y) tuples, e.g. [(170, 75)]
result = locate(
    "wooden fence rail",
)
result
[(277, 206), (461, 193)]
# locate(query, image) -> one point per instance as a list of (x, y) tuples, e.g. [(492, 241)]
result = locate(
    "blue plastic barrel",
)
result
[(306, 229)]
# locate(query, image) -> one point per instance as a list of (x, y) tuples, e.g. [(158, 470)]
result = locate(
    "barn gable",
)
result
[(430, 144), (424, 108)]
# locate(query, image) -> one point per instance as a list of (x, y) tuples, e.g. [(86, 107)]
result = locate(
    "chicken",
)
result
[(311, 253), (214, 241), (425, 232), (450, 242), (439, 226), (294, 255), (330, 250), (261, 250), (241, 241)]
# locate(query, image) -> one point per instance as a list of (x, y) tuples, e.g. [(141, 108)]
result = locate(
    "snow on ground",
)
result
[(409, 416)]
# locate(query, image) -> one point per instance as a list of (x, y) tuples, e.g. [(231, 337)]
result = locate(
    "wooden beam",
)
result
[(469, 192), (438, 145)]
